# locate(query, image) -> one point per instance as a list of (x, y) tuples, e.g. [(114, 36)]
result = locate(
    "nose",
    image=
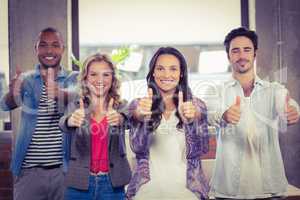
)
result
[(242, 54), (100, 78), (167, 73), (49, 48)]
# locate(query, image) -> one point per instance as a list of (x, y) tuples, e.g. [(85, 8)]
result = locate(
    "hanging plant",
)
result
[(76, 62), (119, 55)]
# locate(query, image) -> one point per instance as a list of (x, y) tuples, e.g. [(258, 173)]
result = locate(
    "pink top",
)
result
[(99, 146)]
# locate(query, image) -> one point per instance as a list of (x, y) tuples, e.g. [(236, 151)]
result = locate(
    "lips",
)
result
[(167, 81), (99, 86), (242, 62), (49, 58)]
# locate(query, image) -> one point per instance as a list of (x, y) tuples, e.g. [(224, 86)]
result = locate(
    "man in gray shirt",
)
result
[(248, 159)]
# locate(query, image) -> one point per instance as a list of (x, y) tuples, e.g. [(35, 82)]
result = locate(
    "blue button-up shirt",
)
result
[(29, 99), (267, 102)]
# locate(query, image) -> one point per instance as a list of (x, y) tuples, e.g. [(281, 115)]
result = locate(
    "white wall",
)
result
[(157, 21), (4, 38)]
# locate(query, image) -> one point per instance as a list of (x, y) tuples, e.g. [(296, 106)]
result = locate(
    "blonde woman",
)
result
[(98, 166)]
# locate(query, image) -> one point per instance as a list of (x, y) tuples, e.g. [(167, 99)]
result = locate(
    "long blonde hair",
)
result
[(115, 88)]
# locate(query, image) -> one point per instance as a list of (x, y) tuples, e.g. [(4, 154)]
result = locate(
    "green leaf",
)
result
[(75, 61), (120, 55)]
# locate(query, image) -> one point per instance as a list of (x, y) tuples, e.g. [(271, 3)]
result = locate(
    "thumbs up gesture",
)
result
[(16, 82), (291, 112), (187, 110), (77, 117), (113, 117), (52, 88), (233, 114), (145, 105)]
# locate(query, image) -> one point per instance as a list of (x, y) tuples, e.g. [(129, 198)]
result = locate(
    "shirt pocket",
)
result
[(262, 104)]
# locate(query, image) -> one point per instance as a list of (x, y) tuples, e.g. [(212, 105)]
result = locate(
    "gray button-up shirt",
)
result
[(267, 101)]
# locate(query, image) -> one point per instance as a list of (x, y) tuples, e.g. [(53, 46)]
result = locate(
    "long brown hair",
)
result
[(113, 91), (158, 106)]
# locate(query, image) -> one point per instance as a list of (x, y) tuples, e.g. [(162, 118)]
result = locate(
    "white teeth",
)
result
[(166, 81), (49, 58)]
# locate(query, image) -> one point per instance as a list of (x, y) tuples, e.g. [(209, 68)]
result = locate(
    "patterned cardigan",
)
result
[(197, 140)]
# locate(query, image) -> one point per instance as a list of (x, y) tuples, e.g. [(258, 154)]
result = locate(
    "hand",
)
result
[(233, 114), (113, 117), (291, 112), (145, 105), (52, 88), (187, 110), (77, 117), (16, 83)]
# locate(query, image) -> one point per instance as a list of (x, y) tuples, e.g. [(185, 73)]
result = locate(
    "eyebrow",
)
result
[(91, 71), (167, 66), (45, 42), (235, 49), (238, 48)]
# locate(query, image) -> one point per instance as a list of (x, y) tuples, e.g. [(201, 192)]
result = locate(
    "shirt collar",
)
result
[(61, 74), (257, 81)]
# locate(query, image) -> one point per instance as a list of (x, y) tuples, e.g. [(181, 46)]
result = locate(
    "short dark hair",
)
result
[(241, 31), (50, 30)]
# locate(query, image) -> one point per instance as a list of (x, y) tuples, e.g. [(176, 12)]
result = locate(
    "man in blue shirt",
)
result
[(39, 152), (248, 159)]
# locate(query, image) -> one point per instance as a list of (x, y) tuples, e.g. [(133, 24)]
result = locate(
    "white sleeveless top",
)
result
[(251, 178), (167, 164)]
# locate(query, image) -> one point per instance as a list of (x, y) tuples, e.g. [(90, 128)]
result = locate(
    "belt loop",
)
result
[(98, 173)]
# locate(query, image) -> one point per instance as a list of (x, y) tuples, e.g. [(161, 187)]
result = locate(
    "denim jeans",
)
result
[(100, 188), (270, 198)]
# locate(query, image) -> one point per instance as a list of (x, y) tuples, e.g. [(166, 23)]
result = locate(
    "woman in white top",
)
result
[(168, 134)]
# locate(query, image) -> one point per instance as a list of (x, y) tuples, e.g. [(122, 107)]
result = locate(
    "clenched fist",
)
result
[(291, 112), (77, 117), (145, 105), (187, 110), (113, 117)]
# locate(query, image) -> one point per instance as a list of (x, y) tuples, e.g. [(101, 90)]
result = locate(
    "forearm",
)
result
[(64, 126), (197, 132), (9, 101)]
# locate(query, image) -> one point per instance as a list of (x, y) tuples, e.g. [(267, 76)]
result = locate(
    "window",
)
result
[(195, 27), (213, 62), (4, 69)]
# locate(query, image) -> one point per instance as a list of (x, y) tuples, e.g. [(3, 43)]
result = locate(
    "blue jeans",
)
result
[(100, 188)]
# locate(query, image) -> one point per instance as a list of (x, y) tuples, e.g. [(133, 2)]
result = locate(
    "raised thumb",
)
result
[(287, 100), (111, 104), (180, 98), (238, 101), (50, 75), (150, 93), (81, 104)]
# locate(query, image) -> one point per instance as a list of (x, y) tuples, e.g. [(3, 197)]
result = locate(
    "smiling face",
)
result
[(99, 78), (49, 49), (241, 55), (167, 73)]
